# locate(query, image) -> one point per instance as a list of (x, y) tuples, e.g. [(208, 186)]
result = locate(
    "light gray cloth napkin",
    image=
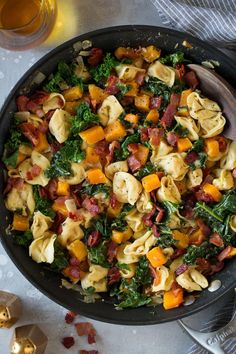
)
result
[(210, 20)]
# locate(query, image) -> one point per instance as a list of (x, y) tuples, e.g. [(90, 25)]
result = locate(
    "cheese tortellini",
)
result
[(128, 72), (27, 165), (96, 278), (59, 125), (71, 231), (110, 110), (190, 124), (126, 187), (228, 161), (144, 204), (162, 72), (42, 248), (195, 178), (54, 101), (168, 191), (21, 199), (119, 166), (158, 151), (166, 280), (192, 280), (224, 180), (134, 220), (41, 224), (141, 245), (78, 173), (173, 164)]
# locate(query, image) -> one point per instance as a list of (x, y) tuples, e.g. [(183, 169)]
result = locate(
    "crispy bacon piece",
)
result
[(33, 172), (139, 78), (168, 116), (68, 342), (17, 183), (144, 136), (39, 97), (206, 231), (203, 265), (222, 143), (215, 268), (223, 254), (101, 148), (32, 106), (191, 157), (111, 85), (21, 102), (155, 135), (172, 138), (126, 101), (94, 238), (207, 179), (155, 231), (95, 57), (204, 197), (74, 262), (134, 163), (180, 70), (147, 218), (113, 200), (74, 272), (90, 204), (155, 102), (189, 203), (181, 269), (176, 288), (86, 329), (30, 132), (113, 275), (177, 253), (57, 223), (133, 148), (51, 189), (216, 240), (43, 127), (111, 250), (153, 195), (191, 79), (160, 215), (70, 316)]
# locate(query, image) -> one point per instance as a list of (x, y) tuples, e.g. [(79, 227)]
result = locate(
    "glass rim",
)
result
[(27, 24)]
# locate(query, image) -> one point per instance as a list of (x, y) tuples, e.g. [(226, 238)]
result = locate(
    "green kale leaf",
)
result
[(23, 238), (206, 250), (165, 239), (11, 147), (123, 152), (98, 255), (173, 59), (61, 258), (119, 222), (84, 119), (93, 189), (146, 170), (227, 204), (42, 204), (103, 70)]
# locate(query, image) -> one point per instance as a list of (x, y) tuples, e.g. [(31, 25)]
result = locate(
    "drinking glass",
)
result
[(26, 23)]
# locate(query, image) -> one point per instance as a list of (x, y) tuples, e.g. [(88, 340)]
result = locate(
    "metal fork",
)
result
[(213, 341)]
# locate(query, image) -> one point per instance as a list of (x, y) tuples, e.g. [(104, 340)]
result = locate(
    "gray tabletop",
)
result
[(77, 17)]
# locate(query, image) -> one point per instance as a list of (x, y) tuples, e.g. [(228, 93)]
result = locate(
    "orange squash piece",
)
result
[(184, 144), (173, 299), (70, 107), (20, 222), (183, 108), (91, 156), (121, 236), (114, 131), (151, 182), (156, 257), (96, 93), (196, 238), (114, 212), (152, 116), (133, 89), (96, 176), (73, 93), (213, 191), (42, 144), (142, 154), (132, 118), (142, 103), (93, 135), (78, 250), (151, 53), (183, 239), (63, 188), (60, 207), (212, 147)]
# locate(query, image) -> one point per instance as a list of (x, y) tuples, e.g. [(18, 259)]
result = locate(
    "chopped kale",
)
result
[(146, 170), (173, 59), (61, 258), (11, 147), (42, 204), (119, 222), (64, 74), (180, 131), (206, 250), (170, 208), (23, 238), (207, 213), (122, 266), (84, 119), (124, 122), (59, 168), (93, 189), (130, 293), (198, 145), (98, 255), (227, 204), (123, 152), (103, 226), (123, 88), (103, 70), (165, 239)]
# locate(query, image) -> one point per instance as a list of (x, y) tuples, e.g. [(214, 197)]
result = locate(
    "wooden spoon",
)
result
[(219, 90)]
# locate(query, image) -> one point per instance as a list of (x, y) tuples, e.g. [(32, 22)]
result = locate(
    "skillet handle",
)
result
[(213, 341)]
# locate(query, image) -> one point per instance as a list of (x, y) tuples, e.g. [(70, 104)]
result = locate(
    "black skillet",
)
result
[(50, 283)]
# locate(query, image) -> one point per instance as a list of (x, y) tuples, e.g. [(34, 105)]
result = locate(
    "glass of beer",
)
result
[(25, 23)]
